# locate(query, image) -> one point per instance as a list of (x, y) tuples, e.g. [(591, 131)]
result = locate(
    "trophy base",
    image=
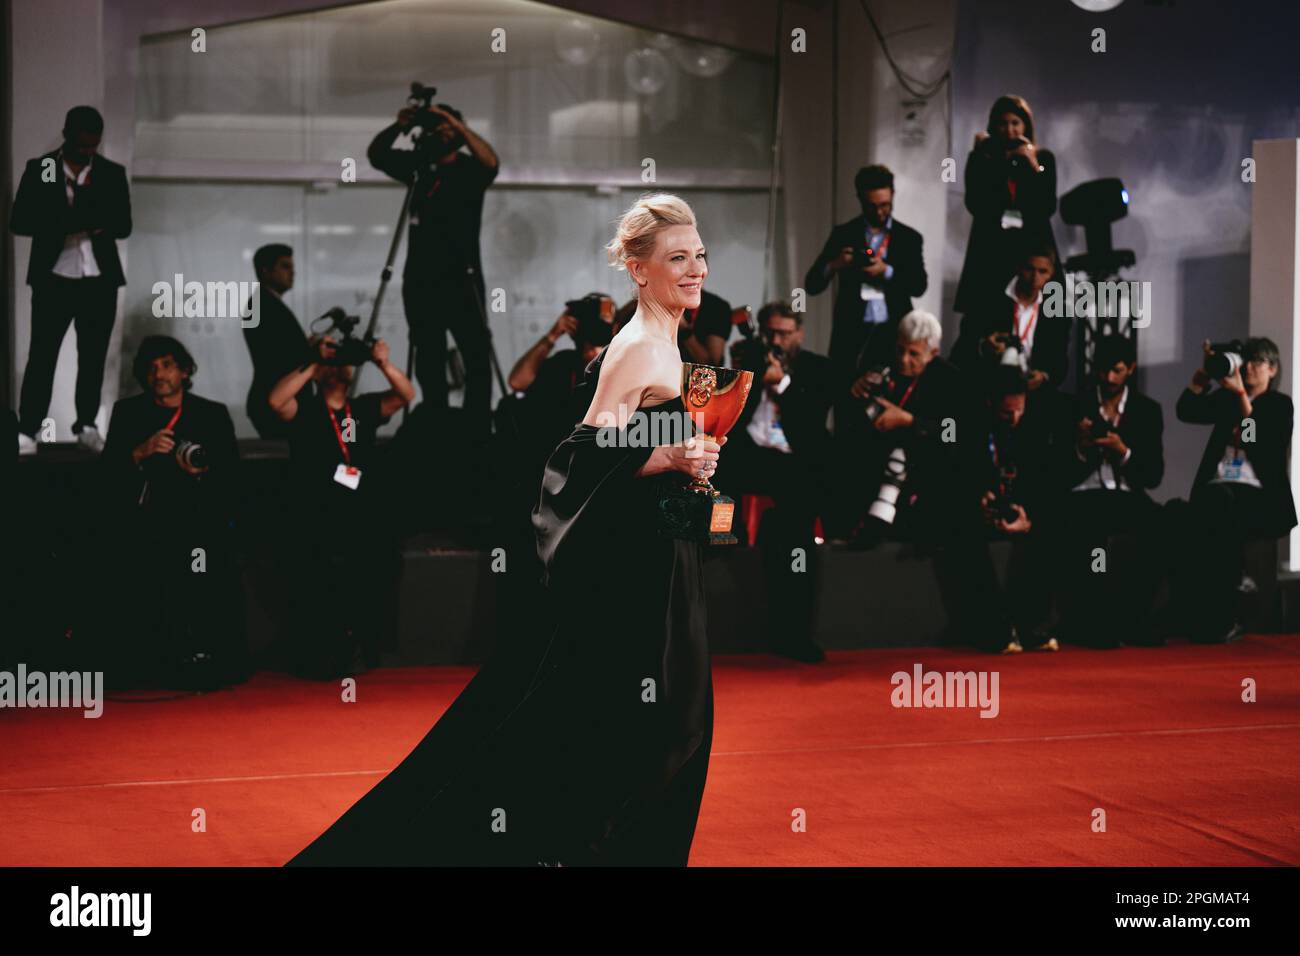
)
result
[(704, 517)]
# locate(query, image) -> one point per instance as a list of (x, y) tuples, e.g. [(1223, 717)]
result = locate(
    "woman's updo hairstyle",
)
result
[(635, 236)]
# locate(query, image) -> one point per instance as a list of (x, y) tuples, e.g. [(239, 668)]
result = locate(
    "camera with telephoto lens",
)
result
[(1013, 353), (192, 454), (1224, 359), (752, 351), (1003, 503), (592, 326), (351, 350), (879, 381), (863, 256), (885, 508)]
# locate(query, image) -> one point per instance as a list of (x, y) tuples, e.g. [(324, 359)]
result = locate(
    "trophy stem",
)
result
[(701, 486)]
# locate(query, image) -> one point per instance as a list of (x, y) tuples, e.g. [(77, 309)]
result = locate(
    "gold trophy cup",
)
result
[(714, 398)]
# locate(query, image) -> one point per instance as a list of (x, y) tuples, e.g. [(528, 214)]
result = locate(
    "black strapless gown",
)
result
[(587, 740)]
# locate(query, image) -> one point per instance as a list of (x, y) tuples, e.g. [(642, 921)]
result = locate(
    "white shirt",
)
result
[(1106, 475), (1025, 315), (765, 427), (77, 260)]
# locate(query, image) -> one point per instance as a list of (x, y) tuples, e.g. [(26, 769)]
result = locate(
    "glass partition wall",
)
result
[(247, 142)]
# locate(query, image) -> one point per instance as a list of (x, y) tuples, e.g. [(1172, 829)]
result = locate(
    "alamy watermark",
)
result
[(646, 430), (1126, 299), (179, 299), (923, 688), (25, 688)]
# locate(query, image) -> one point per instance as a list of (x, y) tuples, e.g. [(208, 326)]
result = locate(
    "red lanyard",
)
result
[(1022, 331), (1011, 188), (347, 411), (884, 247), (908, 394), (175, 416)]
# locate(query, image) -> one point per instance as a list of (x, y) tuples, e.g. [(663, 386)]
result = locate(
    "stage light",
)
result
[(1095, 205), (1097, 6)]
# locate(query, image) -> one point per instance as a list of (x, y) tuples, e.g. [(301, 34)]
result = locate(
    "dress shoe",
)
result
[(90, 439)]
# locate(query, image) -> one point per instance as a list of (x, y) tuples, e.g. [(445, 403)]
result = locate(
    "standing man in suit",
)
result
[(779, 448), (75, 205), (1241, 488), (1110, 452), (881, 268), (1016, 315), (277, 344)]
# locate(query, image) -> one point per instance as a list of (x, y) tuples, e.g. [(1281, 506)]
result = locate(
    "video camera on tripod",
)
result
[(421, 101)]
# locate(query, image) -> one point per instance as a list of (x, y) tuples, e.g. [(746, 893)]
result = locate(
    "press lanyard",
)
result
[(175, 416), (908, 394), (347, 411), (1022, 332), (884, 246)]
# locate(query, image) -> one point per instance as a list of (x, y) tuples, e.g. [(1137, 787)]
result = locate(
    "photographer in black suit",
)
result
[(1009, 327), (1001, 491), (880, 267), (75, 205), (779, 448), (277, 344), (170, 461), (1241, 488), (1109, 452), (895, 481), (442, 283)]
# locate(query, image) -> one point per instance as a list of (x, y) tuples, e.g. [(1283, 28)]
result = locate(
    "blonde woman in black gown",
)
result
[(588, 743)]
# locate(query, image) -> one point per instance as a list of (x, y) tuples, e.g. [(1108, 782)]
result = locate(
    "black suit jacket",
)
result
[(803, 405), (41, 211), (1273, 414), (1051, 349), (854, 344), (202, 421), (277, 345), (1142, 428)]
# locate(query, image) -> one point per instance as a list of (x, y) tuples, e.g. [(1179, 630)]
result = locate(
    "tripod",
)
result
[(386, 276)]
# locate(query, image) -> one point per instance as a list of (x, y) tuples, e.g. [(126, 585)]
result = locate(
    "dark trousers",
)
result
[(346, 568), (1105, 603), (982, 610), (163, 608), (90, 305), (433, 307), (795, 486), (1211, 536)]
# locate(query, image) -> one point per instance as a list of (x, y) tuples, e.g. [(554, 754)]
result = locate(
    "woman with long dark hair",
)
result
[(1011, 193)]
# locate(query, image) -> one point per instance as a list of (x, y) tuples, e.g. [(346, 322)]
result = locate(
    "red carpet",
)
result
[(1159, 739)]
